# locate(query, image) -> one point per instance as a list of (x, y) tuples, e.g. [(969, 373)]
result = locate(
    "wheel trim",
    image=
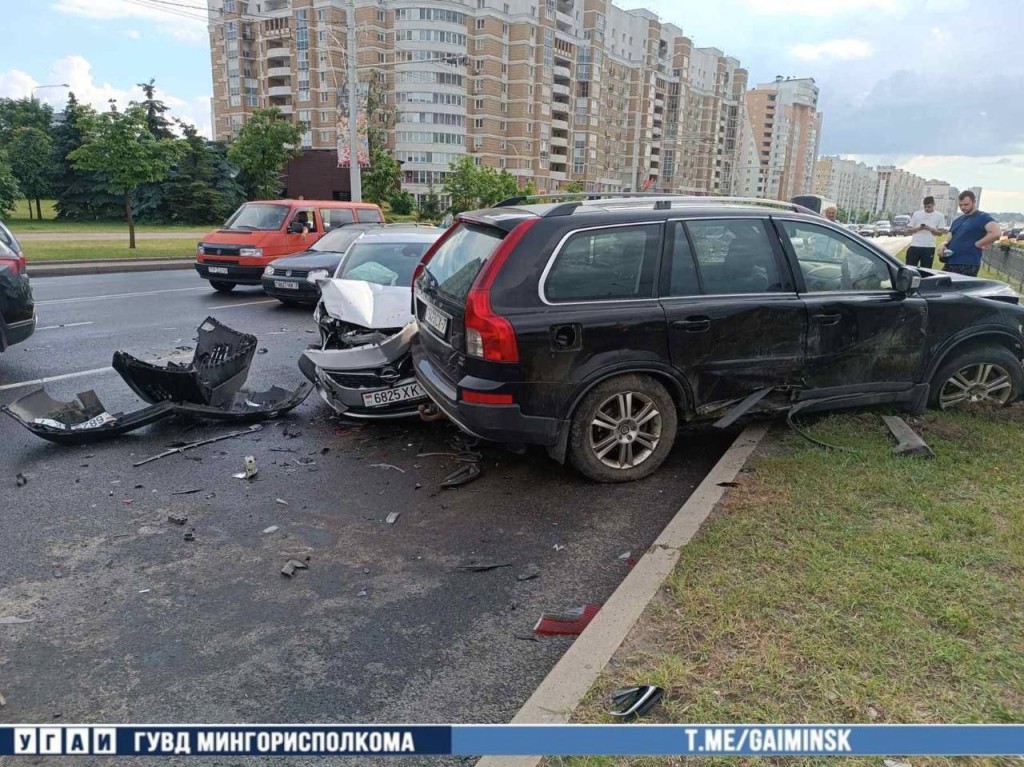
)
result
[(981, 382), (625, 430)]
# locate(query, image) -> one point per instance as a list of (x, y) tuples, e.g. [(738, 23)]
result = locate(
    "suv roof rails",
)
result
[(659, 201)]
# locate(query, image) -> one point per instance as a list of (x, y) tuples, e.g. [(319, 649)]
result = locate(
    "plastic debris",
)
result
[(482, 567), (20, 480), (145, 591), (190, 535), (271, 529), (894, 763), (363, 593), (12, 620), (567, 622), (291, 566), (250, 467), (635, 701), (531, 572), (386, 466), (626, 555), (252, 429), (176, 519), (559, 547), (281, 501), (528, 637), (190, 491), (304, 462), (462, 476), (393, 517), (58, 571)]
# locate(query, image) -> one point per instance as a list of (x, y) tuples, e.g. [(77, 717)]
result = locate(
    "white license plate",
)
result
[(286, 285), (437, 319), (388, 396), (218, 270)]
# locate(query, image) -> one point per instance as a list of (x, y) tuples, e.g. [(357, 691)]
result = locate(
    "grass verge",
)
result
[(839, 587), (19, 222), (39, 251)]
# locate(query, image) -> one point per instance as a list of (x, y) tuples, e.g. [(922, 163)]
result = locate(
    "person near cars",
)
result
[(831, 213), (925, 225), (971, 234)]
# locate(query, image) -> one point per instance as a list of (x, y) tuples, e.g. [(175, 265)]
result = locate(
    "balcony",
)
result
[(561, 90), (557, 175), (285, 109), (279, 53), (659, 103), (559, 125), (559, 141), (558, 106), (285, 71), (563, 72), (279, 90)]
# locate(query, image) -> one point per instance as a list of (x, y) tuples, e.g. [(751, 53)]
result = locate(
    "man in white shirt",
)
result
[(925, 225)]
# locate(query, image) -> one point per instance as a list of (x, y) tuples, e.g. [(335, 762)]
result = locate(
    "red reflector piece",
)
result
[(568, 623), (486, 398)]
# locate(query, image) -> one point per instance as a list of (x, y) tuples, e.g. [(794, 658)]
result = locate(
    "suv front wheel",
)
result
[(623, 430), (989, 374)]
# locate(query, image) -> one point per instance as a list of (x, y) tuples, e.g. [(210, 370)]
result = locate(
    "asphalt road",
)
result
[(132, 623)]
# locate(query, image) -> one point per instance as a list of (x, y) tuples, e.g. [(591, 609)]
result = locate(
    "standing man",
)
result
[(971, 234), (925, 225)]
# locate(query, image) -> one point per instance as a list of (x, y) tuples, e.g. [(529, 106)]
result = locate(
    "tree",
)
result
[(120, 144), (80, 194), (9, 192), (572, 187), (262, 150), (401, 203), (430, 206), (31, 157), (158, 125), (24, 113), (383, 178), (462, 185)]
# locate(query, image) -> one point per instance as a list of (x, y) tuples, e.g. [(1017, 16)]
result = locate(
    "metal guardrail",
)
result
[(1007, 261)]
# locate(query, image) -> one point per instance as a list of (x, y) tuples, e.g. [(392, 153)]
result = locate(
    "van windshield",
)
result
[(258, 216)]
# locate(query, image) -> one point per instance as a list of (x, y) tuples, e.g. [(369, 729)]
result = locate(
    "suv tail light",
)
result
[(490, 336), (16, 263)]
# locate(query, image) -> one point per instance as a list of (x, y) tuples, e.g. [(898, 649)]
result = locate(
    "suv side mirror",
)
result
[(907, 280)]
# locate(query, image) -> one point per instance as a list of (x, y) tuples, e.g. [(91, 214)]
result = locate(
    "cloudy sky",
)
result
[(933, 86)]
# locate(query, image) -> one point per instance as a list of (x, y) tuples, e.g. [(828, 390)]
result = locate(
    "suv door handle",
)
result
[(828, 318), (696, 324)]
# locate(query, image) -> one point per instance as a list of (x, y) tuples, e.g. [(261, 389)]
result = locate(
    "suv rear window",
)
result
[(455, 265)]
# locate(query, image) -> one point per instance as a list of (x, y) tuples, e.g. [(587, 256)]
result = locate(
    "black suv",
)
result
[(17, 310), (593, 327)]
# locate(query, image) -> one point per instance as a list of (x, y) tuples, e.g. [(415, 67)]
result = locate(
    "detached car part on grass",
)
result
[(363, 367), (208, 387)]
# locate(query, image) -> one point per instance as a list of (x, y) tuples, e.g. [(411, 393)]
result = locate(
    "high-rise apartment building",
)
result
[(551, 90), (977, 194), (899, 191), (850, 184), (945, 197), (785, 128)]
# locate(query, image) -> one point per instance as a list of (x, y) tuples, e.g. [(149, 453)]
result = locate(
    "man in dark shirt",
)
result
[(971, 233)]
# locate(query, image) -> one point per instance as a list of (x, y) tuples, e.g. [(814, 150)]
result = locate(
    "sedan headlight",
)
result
[(317, 274), (250, 252), (318, 312), (269, 270)]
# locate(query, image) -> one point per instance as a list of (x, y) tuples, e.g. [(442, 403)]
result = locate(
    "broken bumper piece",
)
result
[(80, 421), (246, 406), (218, 369)]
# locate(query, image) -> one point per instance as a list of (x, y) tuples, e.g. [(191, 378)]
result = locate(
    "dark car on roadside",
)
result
[(292, 279), (17, 309), (596, 327)]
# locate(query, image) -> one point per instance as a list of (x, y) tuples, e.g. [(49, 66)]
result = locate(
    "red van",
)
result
[(259, 232)]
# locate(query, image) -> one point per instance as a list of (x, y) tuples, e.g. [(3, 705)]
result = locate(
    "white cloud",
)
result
[(820, 8), (186, 25), (848, 49), (16, 84), (134, 34)]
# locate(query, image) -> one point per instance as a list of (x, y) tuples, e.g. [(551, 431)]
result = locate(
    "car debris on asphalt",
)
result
[(190, 535), (191, 445), (176, 519), (386, 466), (567, 622), (393, 517), (482, 567), (291, 566), (635, 701), (529, 573), (20, 480), (269, 530), (190, 491), (250, 469), (13, 620), (462, 476), (281, 501)]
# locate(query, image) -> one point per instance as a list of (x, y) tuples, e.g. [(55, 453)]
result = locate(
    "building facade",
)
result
[(785, 127), (899, 191), (551, 90), (851, 185), (945, 197)]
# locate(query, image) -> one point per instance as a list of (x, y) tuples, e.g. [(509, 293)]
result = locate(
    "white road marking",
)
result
[(66, 325), (41, 381), (83, 299), (249, 303)]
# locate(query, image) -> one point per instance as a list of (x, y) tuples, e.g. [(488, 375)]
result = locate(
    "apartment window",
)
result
[(529, 127), (382, 37), (504, 126), (325, 117), (478, 45), (481, 3), (478, 141), (504, 144), (381, 58), (322, 57), (479, 103), (505, 8), (480, 23), (325, 96), (501, 160), (229, 6), (325, 137), (382, 16), (504, 27), (303, 95), (305, 116), (321, 36), (478, 123), (321, 15), (529, 108)]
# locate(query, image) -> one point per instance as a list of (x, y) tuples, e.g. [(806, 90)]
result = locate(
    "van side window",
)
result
[(619, 263), (305, 216), (369, 216), (335, 217), (734, 256)]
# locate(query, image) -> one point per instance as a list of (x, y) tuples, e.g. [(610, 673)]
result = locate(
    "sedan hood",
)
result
[(365, 357), (308, 260), (366, 304), (934, 280)]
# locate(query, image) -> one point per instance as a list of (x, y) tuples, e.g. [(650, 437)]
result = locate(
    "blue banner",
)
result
[(511, 740)]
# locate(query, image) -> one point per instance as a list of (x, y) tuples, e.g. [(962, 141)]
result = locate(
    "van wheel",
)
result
[(623, 430), (222, 287), (990, 375)]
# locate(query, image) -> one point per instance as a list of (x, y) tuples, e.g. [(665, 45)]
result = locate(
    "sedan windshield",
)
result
[(258, 216), (383, 263)]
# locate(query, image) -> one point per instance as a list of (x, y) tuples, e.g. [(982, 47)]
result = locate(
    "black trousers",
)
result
[(970, 270), (920, 256)]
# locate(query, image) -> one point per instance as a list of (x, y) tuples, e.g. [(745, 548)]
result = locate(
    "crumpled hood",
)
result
[(975, 286), (365, 357), (366, 304)]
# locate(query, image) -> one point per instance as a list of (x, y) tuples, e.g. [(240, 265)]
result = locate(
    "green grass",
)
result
[(839, 587), (20, 222), (38, 251)]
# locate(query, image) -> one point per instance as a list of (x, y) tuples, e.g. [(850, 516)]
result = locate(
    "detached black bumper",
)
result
[(496, 423), (240, 275)]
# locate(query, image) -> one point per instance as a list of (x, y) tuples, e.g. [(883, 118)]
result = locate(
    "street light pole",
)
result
[(354, 171), (56, 85)]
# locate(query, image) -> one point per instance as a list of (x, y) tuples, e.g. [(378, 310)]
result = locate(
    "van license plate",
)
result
[(437, 319), (218, 270), (388, 396), (286, 285)]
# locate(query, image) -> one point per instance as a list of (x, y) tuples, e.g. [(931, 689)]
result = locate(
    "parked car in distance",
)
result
[(868, 230), (900, 224), (883, 229), (595, 327), (259, 232), (362, 367), (293, 279), (17, 308)]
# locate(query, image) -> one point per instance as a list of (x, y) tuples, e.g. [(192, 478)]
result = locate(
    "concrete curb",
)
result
[(575, 673), (66, 268)]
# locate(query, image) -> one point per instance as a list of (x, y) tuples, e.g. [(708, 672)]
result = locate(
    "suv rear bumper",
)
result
[(16, 332), (495, 423)]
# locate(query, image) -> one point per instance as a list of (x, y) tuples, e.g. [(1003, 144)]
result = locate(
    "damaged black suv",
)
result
[(594, 327)]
